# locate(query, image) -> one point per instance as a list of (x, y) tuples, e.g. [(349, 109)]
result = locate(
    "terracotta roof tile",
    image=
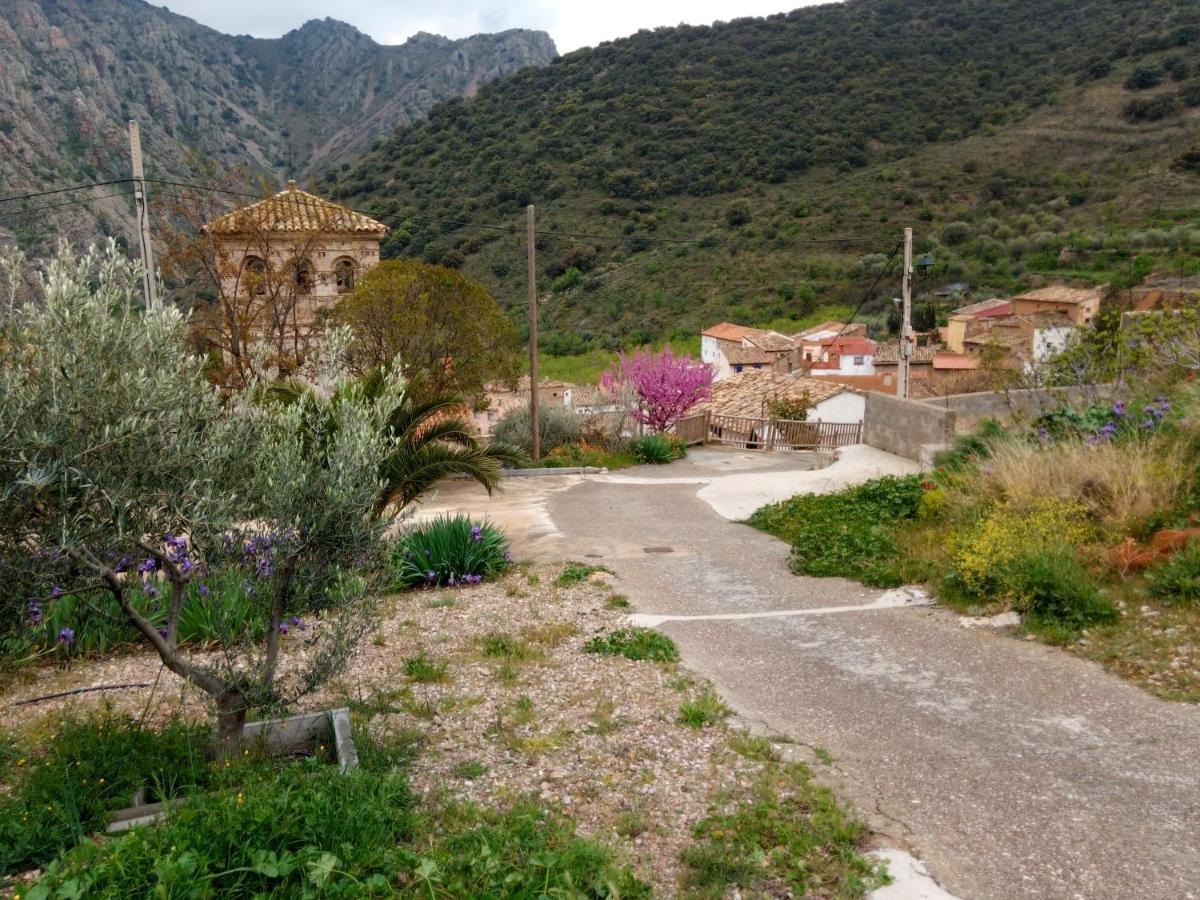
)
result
[(771, 341), (747, 393), (294, 210), (1061, 293), (738, 355), (727, 331), (890, 353)]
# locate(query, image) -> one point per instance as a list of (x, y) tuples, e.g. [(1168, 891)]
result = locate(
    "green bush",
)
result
[(91, 768), (450, 550), (557, 427), (1177, 578), (654, 449), (1057, 594), (634, 643), (850, 533)]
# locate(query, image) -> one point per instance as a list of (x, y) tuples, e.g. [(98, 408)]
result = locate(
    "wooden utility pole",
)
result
[(149, 284), (906, 346), (531, 259)]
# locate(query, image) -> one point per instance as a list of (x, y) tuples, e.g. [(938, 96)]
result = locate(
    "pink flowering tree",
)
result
[(665, 386)]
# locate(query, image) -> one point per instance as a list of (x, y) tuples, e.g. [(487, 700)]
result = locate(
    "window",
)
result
[(859, 360), (304, 276), (343, 270), (254, 271)]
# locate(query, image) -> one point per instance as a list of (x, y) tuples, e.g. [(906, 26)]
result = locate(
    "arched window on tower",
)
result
[(254, 273), (343, 271), (304, 276)]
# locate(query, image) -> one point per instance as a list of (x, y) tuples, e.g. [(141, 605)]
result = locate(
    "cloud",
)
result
[(571, 24)]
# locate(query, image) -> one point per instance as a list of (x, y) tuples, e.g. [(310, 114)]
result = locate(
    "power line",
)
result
[(79, 202), (78, 187)]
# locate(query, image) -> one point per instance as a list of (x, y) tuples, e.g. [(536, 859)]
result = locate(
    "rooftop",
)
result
[(1060, 293), (889, 353), (951, 361), (771, 341), (985, 308), (747, 393), (293, 210), (727, 331)]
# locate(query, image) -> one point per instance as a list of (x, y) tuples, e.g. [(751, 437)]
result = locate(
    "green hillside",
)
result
[(688, 166)]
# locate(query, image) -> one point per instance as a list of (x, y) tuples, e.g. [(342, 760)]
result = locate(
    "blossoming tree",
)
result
[(665, 386), (130, 485)]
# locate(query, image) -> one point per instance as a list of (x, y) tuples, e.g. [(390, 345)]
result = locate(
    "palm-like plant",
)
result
[(431, 440)]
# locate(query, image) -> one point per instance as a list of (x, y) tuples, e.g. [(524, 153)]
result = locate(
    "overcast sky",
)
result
[(572, 23)]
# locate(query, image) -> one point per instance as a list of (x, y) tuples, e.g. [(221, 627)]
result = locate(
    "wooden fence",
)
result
[(765, 433)]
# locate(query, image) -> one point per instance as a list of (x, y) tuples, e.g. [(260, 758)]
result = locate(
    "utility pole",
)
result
[(149, 284), (906, 347), (531, 258)]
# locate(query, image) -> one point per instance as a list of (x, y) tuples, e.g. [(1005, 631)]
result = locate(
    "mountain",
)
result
[(72, 72), (1020, 138)]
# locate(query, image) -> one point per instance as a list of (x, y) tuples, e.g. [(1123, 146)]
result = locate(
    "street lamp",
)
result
[(925, 265)]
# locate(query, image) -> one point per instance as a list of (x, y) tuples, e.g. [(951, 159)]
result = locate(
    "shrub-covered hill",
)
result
[(997, 127)]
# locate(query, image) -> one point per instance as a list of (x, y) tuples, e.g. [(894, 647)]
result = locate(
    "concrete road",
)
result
[(1012, 769)]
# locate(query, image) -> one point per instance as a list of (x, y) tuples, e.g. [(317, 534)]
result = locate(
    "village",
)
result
[(644, 457)]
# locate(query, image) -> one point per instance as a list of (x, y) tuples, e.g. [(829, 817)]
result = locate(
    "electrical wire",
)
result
[(78, 187)]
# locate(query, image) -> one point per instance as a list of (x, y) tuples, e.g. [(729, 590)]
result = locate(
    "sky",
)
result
[(572, 23)]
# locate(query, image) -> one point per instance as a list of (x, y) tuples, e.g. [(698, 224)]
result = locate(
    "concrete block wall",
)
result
[(904, 427)]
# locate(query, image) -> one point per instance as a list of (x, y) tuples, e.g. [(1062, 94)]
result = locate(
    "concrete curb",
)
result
[(565, 470)]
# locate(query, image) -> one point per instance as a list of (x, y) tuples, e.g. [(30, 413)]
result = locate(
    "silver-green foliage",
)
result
[(115, 450)]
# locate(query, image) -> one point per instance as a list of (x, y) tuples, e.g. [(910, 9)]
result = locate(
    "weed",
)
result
[(379, 639), (533, 579), (653, 449), (617, 601), (634, 643), (631, 823), (1176, 579), (550, 634), (523, 711), (443, 602), (508, 674), (788, 831), (823, 755), (604, 720), (424, 669), (500, 645), (752, 746), (469, 769), (705, 709), (576, 573)]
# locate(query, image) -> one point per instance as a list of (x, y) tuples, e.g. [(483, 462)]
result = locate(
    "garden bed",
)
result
[(492, 688)]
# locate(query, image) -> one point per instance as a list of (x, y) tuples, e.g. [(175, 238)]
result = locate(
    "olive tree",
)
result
[(129, 484)]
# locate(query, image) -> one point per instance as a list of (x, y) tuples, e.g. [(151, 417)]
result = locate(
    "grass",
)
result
[(617, 601), (636, 644), (850, 533), (469, 770), (500, 645), (790, 837), (703, 710), (549, 634), (576, 573), (752, 746), (604, 718), (425, 670), (443, 602)]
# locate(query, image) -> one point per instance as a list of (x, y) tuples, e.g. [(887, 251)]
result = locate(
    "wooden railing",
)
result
[(765, 433)]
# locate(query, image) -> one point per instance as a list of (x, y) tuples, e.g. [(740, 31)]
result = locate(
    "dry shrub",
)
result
[(1121, 485)]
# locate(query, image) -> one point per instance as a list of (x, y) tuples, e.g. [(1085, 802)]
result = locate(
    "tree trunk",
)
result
[(231, 719)]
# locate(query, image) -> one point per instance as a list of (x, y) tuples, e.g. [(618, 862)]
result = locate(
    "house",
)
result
[(1026, 339), (843, 356), (887, 365), (813, 342), (1080, 305), (731, 348), (502, 397), (748, 394), (971, 321), (295, 251)]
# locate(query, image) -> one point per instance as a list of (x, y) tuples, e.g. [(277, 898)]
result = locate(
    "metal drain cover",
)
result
[(658, 549)]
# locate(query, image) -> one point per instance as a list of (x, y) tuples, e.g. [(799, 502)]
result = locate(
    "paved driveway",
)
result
[(1012, 769)]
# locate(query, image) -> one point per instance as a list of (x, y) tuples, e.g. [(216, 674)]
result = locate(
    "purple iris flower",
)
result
[(56, 592), (476, 533), (149, 590), (430, 576), (163, 633), (1118, 409), (147, 566), (297, 622), (283, 628), (122, 565), (35, 612), (203, 590), (264, 567), (66, 637), (1148, 424), (185, 565)]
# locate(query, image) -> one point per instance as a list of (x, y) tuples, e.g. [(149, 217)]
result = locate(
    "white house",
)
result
[(750, 393)]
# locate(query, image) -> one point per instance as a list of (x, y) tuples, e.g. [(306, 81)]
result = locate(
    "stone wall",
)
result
[(970, 409)]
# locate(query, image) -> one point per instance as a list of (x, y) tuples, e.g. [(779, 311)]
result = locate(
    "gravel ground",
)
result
[(595, 736)]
